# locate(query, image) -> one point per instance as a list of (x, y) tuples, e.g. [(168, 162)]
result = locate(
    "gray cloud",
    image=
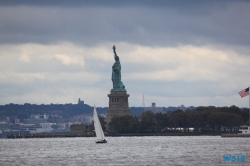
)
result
[(164, 23), (114, 3)]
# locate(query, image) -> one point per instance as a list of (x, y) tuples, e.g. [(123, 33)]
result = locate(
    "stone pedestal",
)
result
[(118, 105)]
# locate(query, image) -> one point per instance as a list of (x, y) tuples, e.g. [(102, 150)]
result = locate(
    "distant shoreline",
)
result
[(66, 135), (163, 134)]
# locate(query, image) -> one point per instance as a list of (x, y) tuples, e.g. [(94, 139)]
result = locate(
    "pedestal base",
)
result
[(118, 105)]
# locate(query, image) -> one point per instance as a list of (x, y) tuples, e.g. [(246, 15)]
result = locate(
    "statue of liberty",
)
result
[(116, 74)]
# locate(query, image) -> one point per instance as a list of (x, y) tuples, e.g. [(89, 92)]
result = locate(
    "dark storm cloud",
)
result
[(139, 22), (114, 3)]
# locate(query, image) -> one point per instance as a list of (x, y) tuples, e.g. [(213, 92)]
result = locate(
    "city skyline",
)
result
[(195, 54)]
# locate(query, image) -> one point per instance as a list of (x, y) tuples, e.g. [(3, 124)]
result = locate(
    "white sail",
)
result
[(97, 125)]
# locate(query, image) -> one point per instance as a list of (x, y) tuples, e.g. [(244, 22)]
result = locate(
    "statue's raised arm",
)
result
[(114, 50)]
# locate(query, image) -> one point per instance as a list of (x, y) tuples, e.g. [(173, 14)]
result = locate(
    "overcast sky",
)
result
[(195, 53)]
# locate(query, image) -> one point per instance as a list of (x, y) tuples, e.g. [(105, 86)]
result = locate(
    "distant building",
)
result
[(17, 121), (154, 109), (7, 119), (34, 121), (80, 102), (182, 107), (45, 128), (82, 127), (5, 125), (32, 128), (86, 119)]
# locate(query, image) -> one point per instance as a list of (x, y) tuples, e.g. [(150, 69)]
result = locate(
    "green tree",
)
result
[(194, 119), (148, 121), (161, 120), (245, 115), (224, 119), (232, 120), (124, 124), (174, 119)]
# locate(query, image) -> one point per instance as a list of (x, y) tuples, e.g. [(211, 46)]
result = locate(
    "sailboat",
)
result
[(98, 128)]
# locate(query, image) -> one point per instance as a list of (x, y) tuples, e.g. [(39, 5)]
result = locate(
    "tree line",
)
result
[(63, 110), (202, 119)]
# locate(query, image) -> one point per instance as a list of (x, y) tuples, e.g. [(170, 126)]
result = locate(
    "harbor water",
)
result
[(151, 150)]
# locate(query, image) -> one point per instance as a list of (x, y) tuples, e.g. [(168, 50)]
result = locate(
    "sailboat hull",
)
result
[(101, 141)]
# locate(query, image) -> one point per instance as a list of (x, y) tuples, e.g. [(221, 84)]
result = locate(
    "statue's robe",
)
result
[(116, 76)]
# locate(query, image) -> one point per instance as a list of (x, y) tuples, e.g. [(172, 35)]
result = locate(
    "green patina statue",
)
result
[(116, 74)]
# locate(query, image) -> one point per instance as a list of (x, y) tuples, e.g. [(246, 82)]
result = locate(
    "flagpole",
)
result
[(249, 105)]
